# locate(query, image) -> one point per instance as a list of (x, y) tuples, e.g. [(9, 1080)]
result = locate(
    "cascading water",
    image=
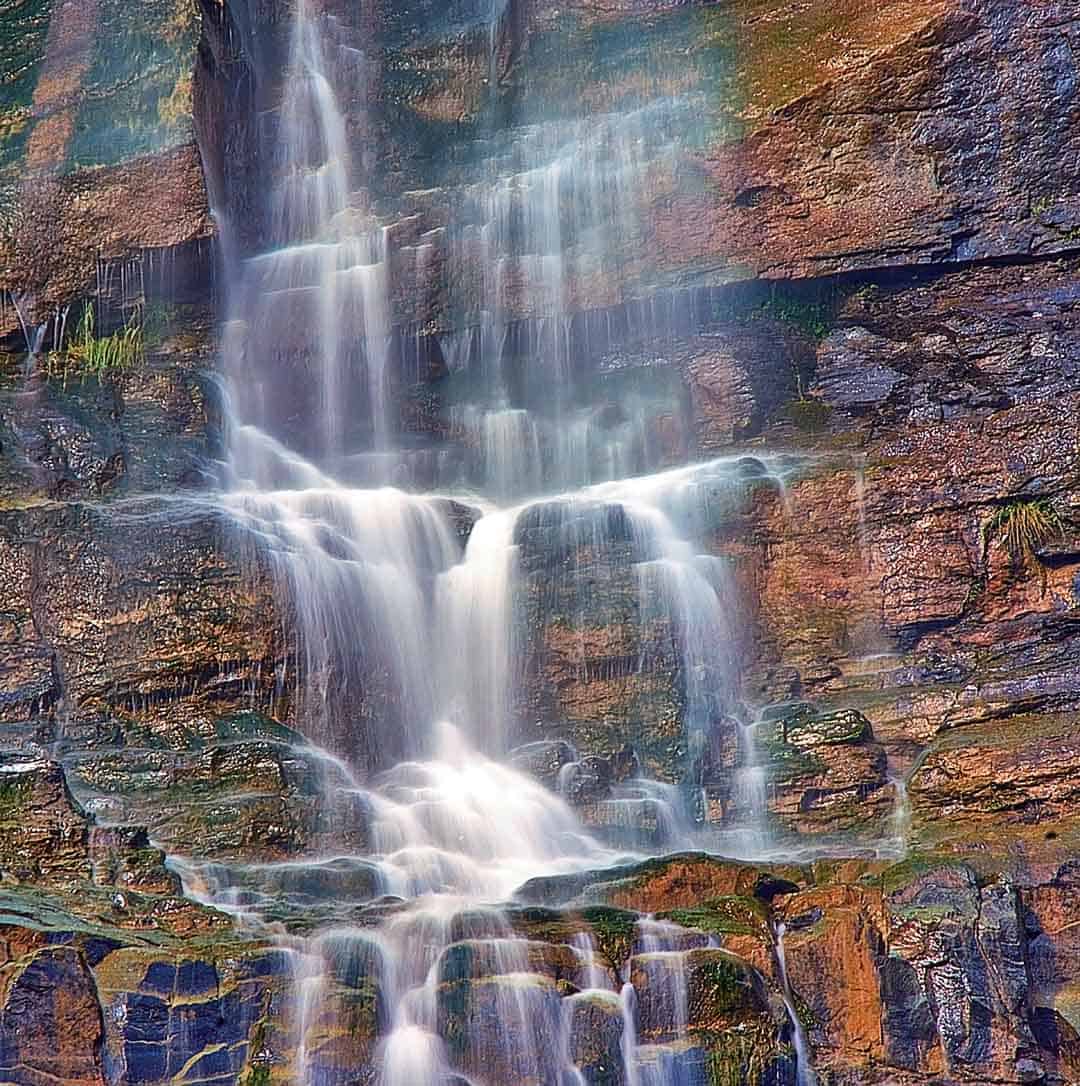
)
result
[(751, 795), (660, 954), (318, 292), (555, 181), (400, 623), (804, 1069)]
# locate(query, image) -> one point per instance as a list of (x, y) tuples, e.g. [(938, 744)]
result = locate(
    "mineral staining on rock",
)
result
[(97, 154)]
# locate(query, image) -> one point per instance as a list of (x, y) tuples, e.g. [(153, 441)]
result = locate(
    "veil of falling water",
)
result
[(393, 611)]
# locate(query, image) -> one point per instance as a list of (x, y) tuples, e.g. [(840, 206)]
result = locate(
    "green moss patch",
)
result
[(613, 930), (729, 915), (138, 90)]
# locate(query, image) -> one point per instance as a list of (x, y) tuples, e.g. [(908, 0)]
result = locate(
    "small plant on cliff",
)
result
[(814, 318), (89, 353), (1023, 527), (259, 1074)]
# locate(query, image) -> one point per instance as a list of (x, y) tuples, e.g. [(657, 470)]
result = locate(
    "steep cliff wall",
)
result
[(864, 248), (98, 164)]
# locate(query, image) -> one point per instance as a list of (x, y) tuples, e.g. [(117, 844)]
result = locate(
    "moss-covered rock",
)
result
[(826, 773), (680, 881), (726, 916)]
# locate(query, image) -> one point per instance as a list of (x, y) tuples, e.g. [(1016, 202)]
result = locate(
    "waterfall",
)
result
[(900, 816), (751, 796), (408, 659), (558, 200), (594, 976), (319, 290)]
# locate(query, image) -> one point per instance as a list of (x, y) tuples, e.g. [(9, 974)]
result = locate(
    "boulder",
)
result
[(543, 759)]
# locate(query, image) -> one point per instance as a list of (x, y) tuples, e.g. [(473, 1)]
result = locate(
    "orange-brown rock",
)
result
[(1004, 790), (683, 883), (62, 230), (680, 881), (835, 964), (860, 153), (723, 401), (45, 836)]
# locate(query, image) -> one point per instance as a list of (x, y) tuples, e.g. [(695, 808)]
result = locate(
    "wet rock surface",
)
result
[(68, 434), (86, 199)]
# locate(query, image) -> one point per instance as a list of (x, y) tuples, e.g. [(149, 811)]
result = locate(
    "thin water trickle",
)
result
[(804, 1067), (900, 816), (751, 796), (33, 335), (594, 975)]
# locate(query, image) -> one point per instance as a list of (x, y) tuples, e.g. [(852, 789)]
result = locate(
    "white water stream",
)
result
[(394, 614)]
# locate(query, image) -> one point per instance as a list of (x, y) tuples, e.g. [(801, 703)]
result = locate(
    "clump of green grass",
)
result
[(89, 354), (119, 351), (813, 319), (1023, 527)]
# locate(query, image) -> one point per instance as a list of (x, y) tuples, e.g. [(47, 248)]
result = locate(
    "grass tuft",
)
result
[(91, 355), (1023, 527)]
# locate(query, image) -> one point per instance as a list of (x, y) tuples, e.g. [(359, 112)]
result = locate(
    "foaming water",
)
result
[(470, 826), (358, 569), (447, 836), (451, 831)]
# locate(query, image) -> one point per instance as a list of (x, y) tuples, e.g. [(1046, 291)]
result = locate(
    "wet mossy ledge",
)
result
[(674, 882), (141, 963), (172, 963)]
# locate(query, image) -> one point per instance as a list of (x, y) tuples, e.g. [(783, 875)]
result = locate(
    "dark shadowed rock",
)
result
[(51, 1027)]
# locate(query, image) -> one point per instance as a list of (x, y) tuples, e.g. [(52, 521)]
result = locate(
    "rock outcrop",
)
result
[(87, 198)]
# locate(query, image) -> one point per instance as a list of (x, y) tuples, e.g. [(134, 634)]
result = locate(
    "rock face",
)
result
[(865, 253), (88, 599), (883, 162), (592, 664), (84, 196), (45, 838), (937, 971), (149, 428), (917, 969), (826, 773)]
